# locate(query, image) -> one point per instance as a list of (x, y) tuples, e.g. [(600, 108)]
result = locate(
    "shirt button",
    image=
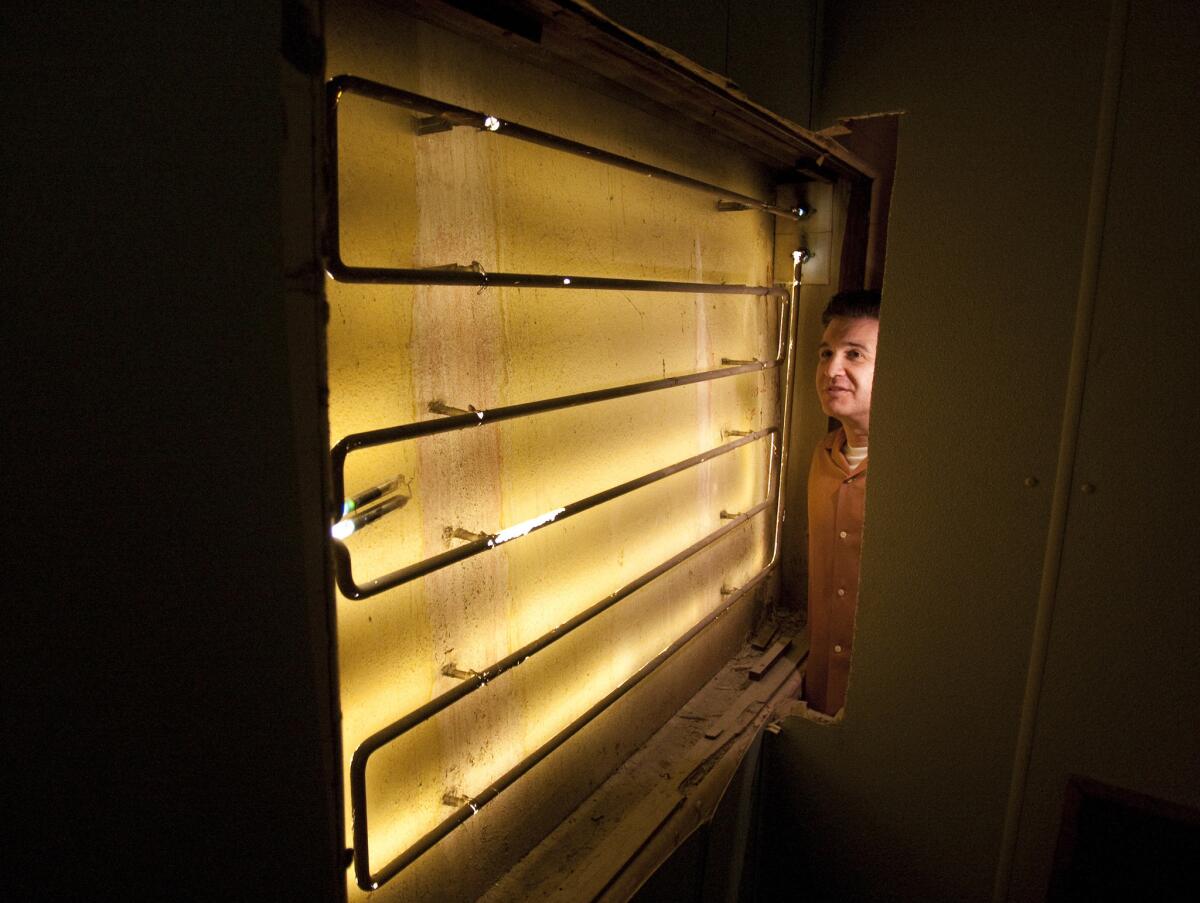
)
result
[(842, 534), (841, 592), (837, 648)]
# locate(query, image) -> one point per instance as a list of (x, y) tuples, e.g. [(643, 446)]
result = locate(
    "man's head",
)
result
[(846, 360)]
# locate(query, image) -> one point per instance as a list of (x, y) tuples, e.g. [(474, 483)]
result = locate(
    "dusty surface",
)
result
[(594, 843)]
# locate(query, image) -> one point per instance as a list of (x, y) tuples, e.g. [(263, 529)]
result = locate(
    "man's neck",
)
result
[(855, 435)]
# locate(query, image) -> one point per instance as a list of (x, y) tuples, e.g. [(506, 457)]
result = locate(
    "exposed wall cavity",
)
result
[(460, 197)]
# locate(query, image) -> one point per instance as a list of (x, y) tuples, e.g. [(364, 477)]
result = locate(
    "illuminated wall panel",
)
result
[(459, 197)]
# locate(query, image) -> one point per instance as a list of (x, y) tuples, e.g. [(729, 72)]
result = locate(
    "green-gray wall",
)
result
[(1006, 241)]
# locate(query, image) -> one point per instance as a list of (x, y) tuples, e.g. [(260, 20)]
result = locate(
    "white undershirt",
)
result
[(854, 456)]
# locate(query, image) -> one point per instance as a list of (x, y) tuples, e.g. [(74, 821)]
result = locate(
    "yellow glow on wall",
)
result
[(456, 197)]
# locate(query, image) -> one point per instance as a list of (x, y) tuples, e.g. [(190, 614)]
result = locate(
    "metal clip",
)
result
[(452, 670), (473, 267), (438, 406), (431, 125), (449, 533)]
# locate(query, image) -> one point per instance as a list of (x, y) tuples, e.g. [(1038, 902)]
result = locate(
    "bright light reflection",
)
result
[(524, 527), (349, 525)]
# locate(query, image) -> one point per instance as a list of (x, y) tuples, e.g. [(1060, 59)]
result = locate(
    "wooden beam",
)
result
[(575, 39)]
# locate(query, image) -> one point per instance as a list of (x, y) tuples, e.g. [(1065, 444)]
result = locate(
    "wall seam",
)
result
[(1068, 441)]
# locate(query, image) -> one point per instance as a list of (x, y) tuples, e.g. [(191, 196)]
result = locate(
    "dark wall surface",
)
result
[(170, 734), (1120, 689), (1038, 334)]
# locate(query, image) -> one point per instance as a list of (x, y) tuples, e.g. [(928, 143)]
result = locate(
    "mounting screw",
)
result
[(449, 533), (437, 406)]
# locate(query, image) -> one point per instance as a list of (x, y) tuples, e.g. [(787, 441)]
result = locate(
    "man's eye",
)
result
[(854, 354), (824, 354)]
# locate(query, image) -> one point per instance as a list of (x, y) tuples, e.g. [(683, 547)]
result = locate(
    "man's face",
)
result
[(846, 369)]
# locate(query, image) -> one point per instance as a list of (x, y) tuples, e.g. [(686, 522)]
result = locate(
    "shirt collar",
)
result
[(833, 443)]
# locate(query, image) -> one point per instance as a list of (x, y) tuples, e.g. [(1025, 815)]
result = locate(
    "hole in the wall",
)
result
[(844, 371), (398, 354)]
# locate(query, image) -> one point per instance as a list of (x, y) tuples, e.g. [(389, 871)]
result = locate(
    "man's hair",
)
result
[(853, 304)]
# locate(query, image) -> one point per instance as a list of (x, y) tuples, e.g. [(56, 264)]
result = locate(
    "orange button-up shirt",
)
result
[(836, 505)]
